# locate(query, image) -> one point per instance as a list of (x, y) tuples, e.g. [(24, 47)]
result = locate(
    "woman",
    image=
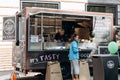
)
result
[(74, 57)]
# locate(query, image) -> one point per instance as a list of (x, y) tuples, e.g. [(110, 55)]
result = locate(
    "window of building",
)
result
[(54, 5), (104, 8)]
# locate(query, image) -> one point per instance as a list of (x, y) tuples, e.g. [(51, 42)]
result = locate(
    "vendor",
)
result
[(60, 36)]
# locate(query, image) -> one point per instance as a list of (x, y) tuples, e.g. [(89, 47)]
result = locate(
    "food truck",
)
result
[(36, 28)]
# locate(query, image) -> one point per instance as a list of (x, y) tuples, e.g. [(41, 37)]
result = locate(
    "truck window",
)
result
[(44, 26), (43, 29)]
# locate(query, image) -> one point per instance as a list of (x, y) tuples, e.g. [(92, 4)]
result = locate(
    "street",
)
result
[(6, 75)]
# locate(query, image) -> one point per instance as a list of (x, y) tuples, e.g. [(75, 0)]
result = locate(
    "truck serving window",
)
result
[(44, 26)]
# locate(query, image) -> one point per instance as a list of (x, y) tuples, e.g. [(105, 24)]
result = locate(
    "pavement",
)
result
[(6, 75)]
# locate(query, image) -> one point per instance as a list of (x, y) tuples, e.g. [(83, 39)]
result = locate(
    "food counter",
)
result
[(54, 52)]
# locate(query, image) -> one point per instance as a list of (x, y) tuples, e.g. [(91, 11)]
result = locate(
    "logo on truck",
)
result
[(110, 64), (44, 58)]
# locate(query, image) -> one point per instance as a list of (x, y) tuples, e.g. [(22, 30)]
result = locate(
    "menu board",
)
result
[(102, 28)]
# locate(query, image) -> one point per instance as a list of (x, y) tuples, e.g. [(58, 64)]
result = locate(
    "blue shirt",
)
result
[(73, 52)]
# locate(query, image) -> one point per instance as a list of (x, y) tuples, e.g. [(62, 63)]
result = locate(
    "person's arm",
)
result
[(56, 37), (75, 47)]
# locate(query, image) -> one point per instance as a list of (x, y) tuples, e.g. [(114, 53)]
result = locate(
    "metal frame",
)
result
[(99, 47)]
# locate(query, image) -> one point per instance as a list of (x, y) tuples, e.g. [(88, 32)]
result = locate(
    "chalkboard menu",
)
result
[(103, 50)]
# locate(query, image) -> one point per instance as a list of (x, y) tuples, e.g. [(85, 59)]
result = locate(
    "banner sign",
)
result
[(9, 28), (40, 58)]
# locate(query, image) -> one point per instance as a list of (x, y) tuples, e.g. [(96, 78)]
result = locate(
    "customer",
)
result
[(74, 57)]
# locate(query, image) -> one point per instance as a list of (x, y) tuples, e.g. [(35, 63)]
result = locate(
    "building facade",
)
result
[(10, 7), (7, 8)]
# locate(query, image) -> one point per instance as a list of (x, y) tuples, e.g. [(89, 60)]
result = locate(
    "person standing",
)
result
[(74, 57)]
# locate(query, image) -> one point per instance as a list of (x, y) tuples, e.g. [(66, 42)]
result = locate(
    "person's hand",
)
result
[(55, 40), (58, 40), (79, 49)]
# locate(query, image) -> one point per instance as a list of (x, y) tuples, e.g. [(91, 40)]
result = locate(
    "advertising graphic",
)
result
[(8, 28)]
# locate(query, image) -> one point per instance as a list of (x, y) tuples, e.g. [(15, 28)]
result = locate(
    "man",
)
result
[(60, 36)]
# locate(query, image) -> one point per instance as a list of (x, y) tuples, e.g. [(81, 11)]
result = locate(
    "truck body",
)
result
[(36, 28)]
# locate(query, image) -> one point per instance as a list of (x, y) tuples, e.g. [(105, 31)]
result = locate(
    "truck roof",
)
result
[(36, 10)]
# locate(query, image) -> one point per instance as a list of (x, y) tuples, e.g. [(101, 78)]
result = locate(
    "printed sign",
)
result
[(44, 58), (39, 58), (34, 38), (8, 28), (110, 64)]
